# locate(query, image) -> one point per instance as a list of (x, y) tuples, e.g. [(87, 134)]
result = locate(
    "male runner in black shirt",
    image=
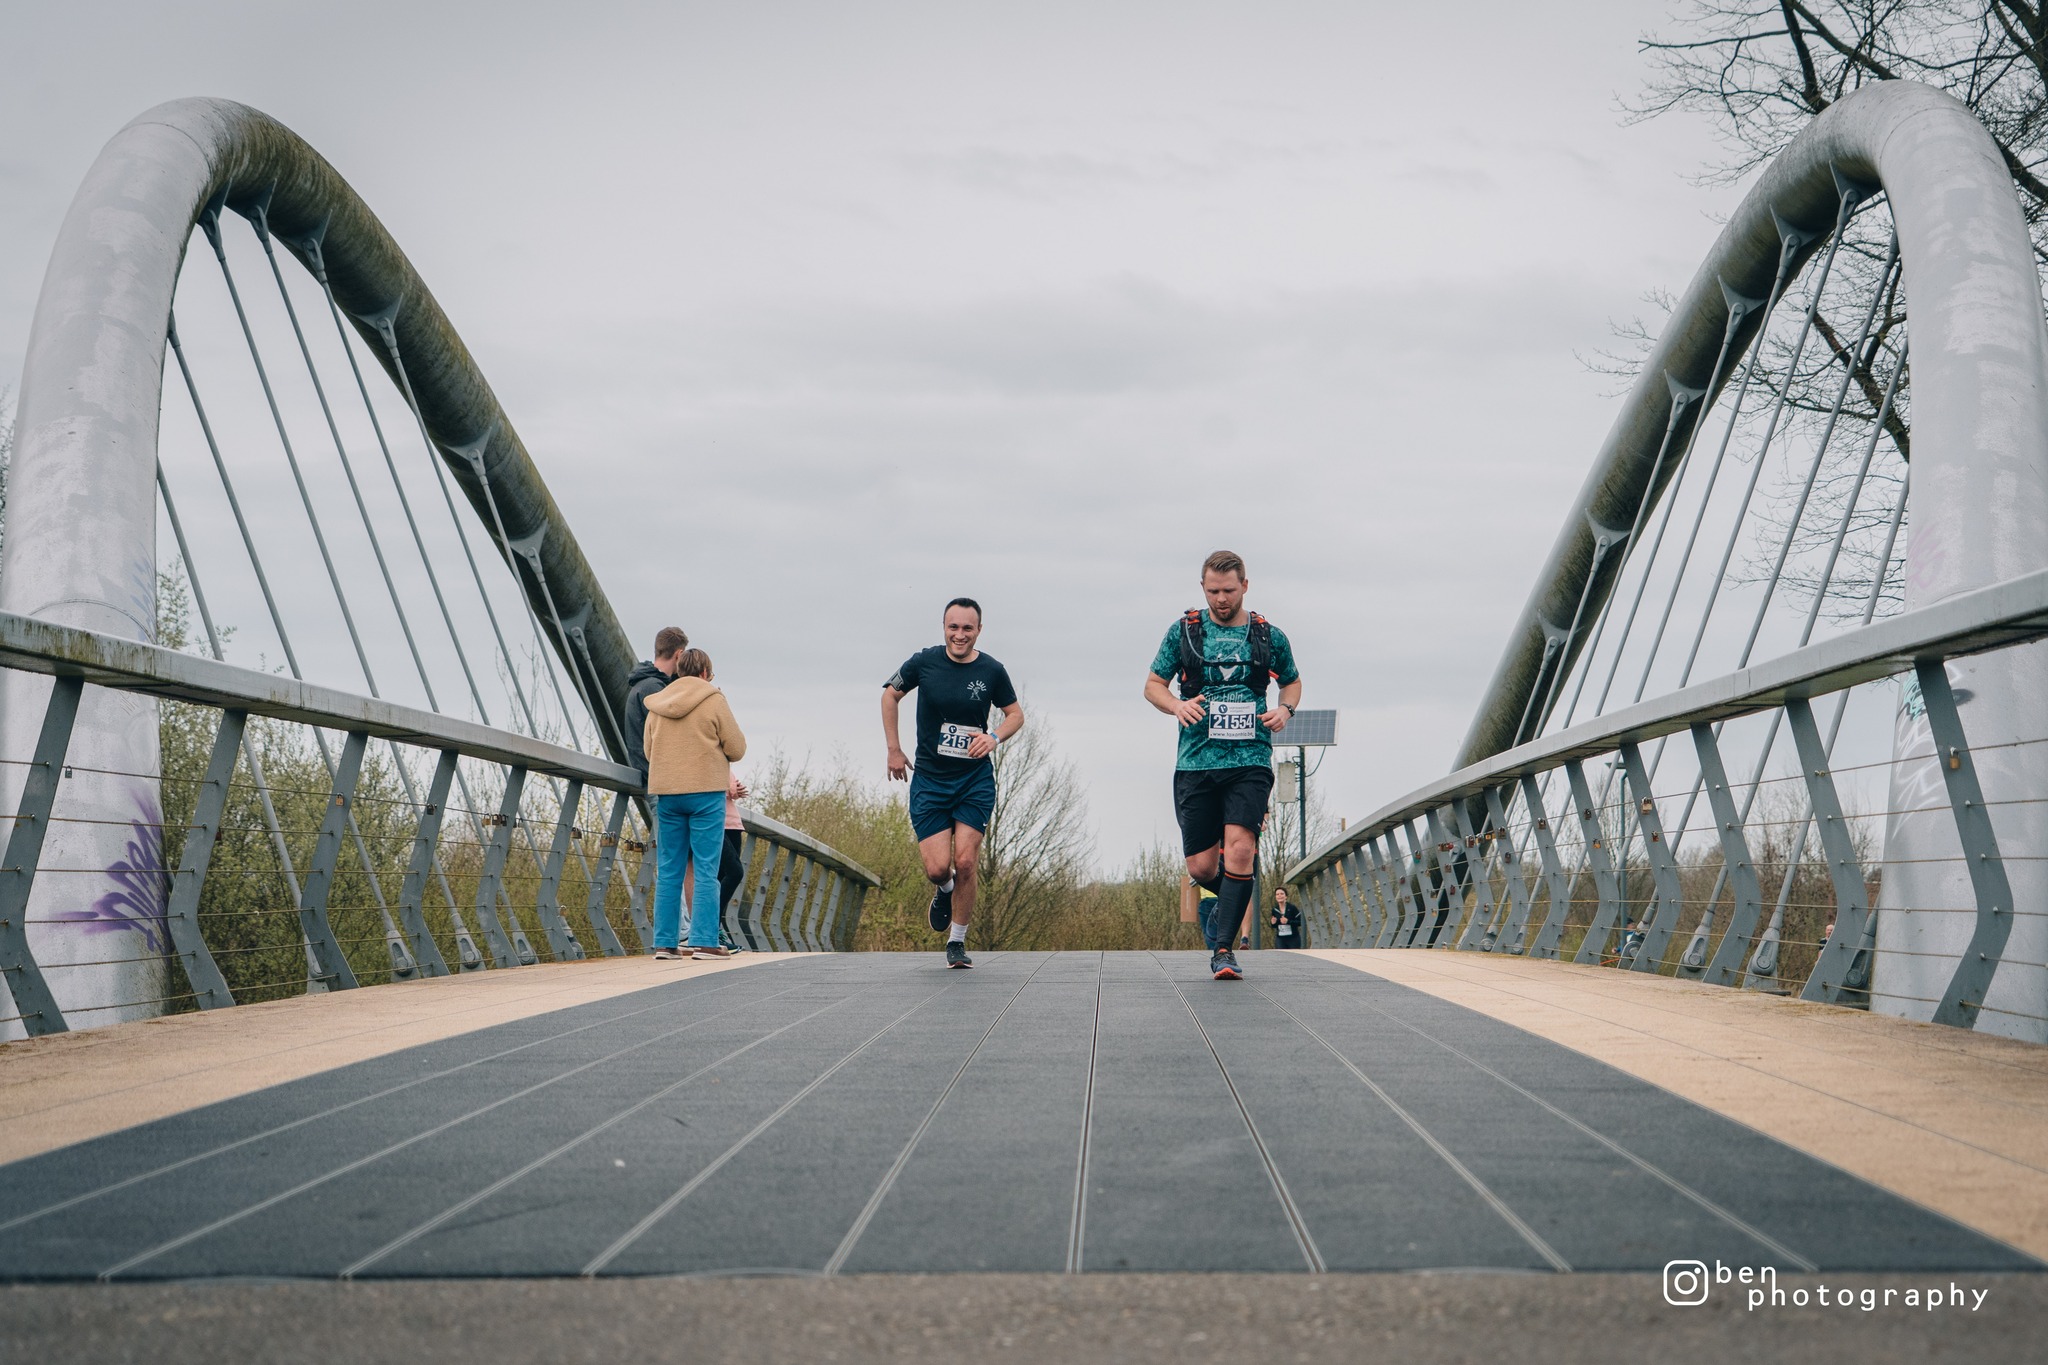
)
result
[(953, 787)]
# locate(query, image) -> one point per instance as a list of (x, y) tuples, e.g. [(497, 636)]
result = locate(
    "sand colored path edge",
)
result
[(1955, 1121), (67, 1088)]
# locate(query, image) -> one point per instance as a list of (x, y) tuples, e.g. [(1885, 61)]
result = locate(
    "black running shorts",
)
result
[(1208, 799)]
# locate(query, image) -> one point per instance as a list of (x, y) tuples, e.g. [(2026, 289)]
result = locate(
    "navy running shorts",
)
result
[(939, 803)]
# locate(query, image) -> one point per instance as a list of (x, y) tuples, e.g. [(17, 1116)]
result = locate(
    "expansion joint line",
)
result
[(1728, 1216), (185, 1239), (1295, 1222), (276, 1130), (1077, 1231), (463, 1206), (860, 1224), (1464, 1172), (719, 1162)]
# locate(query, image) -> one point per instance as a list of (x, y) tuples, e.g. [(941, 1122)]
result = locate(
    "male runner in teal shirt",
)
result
[(1225, 658)]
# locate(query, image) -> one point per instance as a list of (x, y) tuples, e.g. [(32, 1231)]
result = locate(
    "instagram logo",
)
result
[(1685, 1283)]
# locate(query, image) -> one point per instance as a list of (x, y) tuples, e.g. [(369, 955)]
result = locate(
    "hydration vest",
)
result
[(1193, 664)]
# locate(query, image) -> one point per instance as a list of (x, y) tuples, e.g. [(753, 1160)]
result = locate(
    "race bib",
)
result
[(954, 739), (1233, 720), (1286, 931)]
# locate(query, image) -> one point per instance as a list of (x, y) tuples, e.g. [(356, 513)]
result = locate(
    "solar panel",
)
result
[(1308, 730)]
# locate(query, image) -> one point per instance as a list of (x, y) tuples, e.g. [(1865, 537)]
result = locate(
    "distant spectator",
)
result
[(1631, 940), (731, 872), (692, 741), (1286, 920), (648, 677)]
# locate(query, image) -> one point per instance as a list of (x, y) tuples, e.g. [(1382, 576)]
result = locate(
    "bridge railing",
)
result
[(218, 905), (1445, 867), (1783, 483)]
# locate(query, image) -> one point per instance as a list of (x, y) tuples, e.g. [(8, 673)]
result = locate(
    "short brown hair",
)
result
[(1224, 561), (668, 640), (695, 663)]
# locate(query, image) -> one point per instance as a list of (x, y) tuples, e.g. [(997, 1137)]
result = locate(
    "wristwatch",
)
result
[(1290, 710)]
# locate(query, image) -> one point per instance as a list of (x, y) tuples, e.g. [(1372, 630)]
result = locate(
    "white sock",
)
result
[(957, 934), (946, 885)]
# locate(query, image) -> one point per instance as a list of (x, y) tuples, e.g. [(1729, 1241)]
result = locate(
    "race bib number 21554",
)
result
[(1233, 720)]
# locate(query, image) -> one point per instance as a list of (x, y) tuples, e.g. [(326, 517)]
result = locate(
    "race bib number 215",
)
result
[(954, 739)]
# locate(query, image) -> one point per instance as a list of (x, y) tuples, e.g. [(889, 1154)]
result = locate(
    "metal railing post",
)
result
[(1556, 887), (828, 931), (1364, 897), (1514, 933), (1746, 895), (1480, 920), (1835, 967), (1336, 897), (773, 924), (851, 925), (503, 951), (412, 893), (595, 908), (1607, 914), (547, 902), (181, 915), (1415, 872), (319, 883), (32, 998), (751, 919), (1669, 904), (1391, 900), (1964, 997)]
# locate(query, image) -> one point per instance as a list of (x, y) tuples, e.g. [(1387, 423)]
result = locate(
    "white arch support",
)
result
[(80, 547)]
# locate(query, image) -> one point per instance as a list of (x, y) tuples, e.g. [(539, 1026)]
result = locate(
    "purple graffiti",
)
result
[(142, 886)]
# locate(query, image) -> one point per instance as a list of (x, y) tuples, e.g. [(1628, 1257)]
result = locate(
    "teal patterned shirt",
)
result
[(1226, 656)]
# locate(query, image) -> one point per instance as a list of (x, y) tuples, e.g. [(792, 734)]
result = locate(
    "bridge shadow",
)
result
[(1044, 1112)]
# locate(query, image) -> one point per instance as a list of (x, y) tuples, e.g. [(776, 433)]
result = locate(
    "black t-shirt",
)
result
[(950, 694)]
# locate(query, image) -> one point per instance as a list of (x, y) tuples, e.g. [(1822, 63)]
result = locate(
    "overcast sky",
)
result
[(814, 316)]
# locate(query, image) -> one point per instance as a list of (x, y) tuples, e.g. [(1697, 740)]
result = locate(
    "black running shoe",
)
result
[(941, 910), (956, 955), (1223, 965)]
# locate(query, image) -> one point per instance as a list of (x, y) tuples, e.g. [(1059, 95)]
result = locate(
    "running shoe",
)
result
[(941, 909), (1223, 965), (716, 950), (669, 955), (956, 955)]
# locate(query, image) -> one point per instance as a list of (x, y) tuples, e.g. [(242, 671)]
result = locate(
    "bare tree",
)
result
[(1036, 855), (1759, 71)]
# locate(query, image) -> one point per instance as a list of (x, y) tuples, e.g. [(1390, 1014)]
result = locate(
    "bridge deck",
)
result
[(1044, 1112)]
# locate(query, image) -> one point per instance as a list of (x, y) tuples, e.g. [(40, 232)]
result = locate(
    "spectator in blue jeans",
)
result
[(692, 742)]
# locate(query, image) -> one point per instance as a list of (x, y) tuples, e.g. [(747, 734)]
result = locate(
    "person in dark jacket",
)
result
[(1286, 921), (647, 678)]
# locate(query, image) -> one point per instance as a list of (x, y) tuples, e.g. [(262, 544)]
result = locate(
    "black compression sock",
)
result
[(1231, 903), (1212, 885)]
